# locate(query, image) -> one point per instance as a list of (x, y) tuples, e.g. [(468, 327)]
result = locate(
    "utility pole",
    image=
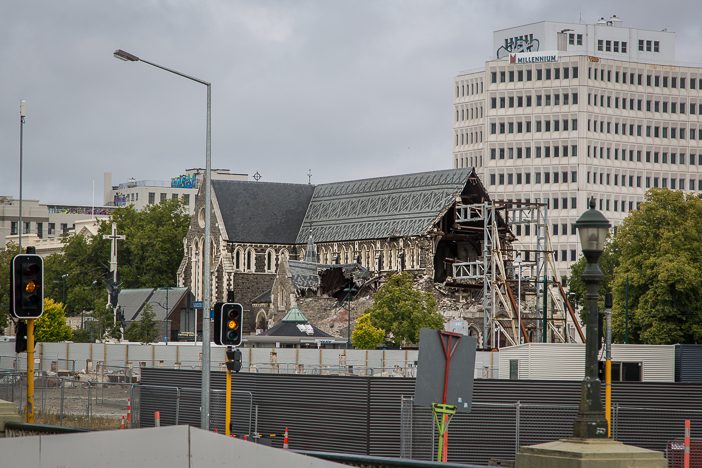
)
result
[(23, 114)]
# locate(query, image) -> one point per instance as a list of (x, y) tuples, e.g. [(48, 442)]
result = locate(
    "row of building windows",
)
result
[(164, 196), (542, 73), (545, 125), (575, 39), (639, 155), (605, 73), (51, 228), (474, 159), (547, 176), (636, 103), (548, 99), (674, 183), (673, 80), (468, 89), (469, 137), (649, 46), (612, 46), (556, 150), (619, 127), (469, 113)]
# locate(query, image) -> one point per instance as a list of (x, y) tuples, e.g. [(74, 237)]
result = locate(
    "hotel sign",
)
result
[(533, 57)]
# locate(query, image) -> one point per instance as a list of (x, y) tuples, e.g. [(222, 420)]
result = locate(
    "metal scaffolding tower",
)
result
[(495, 270)]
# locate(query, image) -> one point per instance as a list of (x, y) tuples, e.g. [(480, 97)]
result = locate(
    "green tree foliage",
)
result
[(365, 335), (402, 311), (660, 252), (51, 327), (6, 254), (143, 330), (149, 257)]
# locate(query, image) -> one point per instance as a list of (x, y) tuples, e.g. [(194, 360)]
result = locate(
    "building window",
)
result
[(250, 266), (13, 228), (52, 229), (163, 197), (599, 45), (186, 199), (656, 46), (40, 230), (579, 39), (641, 45), (152, 198)]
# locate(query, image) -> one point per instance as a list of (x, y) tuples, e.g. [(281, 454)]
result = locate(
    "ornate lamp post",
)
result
[(592, 228)]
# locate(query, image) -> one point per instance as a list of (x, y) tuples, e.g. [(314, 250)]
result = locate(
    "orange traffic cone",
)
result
[(129, 412), (157, 419), (121, 424), (285, 439)]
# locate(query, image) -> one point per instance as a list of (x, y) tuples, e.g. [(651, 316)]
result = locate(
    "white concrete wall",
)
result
[(556, 361), (188, 356)]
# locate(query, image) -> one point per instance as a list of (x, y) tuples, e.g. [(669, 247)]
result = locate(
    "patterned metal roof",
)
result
[(401, 205)]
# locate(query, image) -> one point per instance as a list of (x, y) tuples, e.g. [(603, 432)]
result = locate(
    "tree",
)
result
[(402, 311), (144, 330), (365, 335), (51, 327), (660, 252), (6, 254)]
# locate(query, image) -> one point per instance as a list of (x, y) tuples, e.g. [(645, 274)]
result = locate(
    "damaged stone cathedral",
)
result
[(279, 245)]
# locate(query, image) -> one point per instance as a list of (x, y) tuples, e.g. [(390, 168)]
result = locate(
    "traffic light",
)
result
[(217, 319), (231, 323), (27, 286), (233, 360)]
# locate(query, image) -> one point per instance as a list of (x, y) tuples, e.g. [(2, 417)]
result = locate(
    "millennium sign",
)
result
[(533, 57)]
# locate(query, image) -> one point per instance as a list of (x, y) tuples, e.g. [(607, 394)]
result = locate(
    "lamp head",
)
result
[(592, 228), (126, 56)]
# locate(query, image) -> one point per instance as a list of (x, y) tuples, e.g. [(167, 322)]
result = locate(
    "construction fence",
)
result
[(375, 416), (363, 415)]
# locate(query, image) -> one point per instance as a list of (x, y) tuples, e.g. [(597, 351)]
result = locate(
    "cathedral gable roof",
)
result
[(382, 207)]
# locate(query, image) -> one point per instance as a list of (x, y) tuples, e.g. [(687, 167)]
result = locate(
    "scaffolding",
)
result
[(501, 307)]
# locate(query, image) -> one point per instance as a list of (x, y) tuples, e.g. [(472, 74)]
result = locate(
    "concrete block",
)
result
[(588, 453), (8, 412)]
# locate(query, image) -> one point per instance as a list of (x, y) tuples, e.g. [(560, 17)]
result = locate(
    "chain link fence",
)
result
[(493, 432)]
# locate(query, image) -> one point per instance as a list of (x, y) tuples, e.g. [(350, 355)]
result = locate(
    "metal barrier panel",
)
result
[(652, 428)]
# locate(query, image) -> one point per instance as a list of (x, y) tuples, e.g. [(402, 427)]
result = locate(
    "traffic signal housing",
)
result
[(231, 324), (27, 286), (233, 360)]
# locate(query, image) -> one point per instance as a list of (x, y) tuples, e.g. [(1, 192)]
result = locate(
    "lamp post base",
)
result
[(588, 453), (590, 425)]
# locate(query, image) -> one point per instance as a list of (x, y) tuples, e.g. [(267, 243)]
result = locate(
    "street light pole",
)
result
[(205, 382), (593, 228), (23, 114)]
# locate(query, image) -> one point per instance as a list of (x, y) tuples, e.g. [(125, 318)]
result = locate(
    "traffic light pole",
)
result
[(228, 404), (29, 410)]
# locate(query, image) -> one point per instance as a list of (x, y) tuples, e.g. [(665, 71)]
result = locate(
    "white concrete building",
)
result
[(142, 193), (567, 111), (45, 224)]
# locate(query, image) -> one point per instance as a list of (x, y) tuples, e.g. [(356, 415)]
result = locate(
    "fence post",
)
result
[(177, 415), (687, 444), (90, 421), (517, 417), (63, 395)]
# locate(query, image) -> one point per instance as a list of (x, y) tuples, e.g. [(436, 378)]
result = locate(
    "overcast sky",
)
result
[(350, 89)]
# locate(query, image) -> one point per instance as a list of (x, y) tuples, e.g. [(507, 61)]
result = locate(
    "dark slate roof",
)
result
[(295, 324), (261, 212), (401, 205), (133, 301)]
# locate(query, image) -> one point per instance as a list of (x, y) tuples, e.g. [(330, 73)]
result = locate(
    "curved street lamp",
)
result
[(205, 380), (592, 228)]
